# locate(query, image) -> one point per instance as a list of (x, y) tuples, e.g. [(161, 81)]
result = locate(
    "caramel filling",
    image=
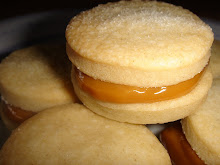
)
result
[(16, 114), (116, 93), (178, 147)]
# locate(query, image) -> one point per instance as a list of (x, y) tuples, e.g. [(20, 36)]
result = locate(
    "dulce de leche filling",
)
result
[(178, 147), (117, 93), (16, 114)]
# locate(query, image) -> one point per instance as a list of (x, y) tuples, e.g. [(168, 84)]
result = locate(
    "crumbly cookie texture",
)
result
[(147, 36), (202, 129), (37, 77), (72, 134)]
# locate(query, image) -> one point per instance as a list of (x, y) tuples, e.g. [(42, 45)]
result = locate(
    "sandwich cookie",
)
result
[(197, 142), (72, 134), (140, 62), (33, 79), (215, 59)]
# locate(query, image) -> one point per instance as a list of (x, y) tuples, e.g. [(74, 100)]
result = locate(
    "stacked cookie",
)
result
[(133, 63), (140, 62), (33, 79)]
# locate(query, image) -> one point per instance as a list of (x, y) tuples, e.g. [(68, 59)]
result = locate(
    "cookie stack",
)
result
[(140, 62), (133, 63)]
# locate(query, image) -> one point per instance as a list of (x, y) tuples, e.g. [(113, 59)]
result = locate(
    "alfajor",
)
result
[(140, 62), (33, 79), (72, 134), (202, 129), (215, 59)]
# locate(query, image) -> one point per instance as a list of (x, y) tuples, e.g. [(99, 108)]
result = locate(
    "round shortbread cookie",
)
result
[(124, 42), (72, 134), (149, 113), (215, 59), (202, 129), (37, 77)]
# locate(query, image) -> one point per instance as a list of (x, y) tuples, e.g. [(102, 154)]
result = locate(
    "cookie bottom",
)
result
[(149, 113)]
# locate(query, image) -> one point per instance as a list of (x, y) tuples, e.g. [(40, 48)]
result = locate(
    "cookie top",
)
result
[(36, 77), (202, 129), (72, 134), (145, 35)]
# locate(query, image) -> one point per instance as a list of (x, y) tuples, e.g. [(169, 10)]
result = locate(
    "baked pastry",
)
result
[(33, 79), (215, 59), (202, 129), (72, 134), (140, 62)]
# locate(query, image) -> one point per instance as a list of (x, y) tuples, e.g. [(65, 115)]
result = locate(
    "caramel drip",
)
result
[(178, 147), (16, 114), (116, 93)]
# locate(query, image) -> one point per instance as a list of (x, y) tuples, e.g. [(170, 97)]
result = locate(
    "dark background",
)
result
[(22, 7)]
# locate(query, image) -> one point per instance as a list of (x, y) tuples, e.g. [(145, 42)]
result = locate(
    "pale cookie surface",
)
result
[(202, 129), (37, 77), (141, 35), (215, 59), (72, 134)]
